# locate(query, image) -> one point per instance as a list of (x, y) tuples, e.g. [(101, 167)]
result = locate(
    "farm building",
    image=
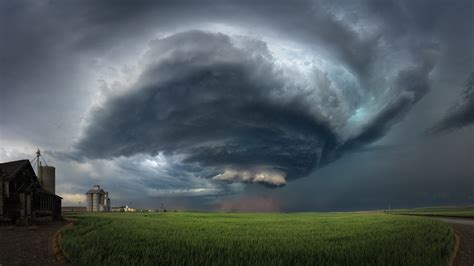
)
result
[(25, 196), (124, 208), (73, 209), (97, 200)]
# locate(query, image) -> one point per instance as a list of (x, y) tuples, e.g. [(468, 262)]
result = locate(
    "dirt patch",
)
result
[(464, 229), (61, 257), (465, 255), (28, 245), (456, 250)]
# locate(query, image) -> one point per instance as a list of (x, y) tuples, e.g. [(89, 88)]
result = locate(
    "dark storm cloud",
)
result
[(224, 104), (462, 113), (415, 84), (221, 106), (204, 100)]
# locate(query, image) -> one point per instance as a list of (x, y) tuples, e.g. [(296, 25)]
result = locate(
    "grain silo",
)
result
[(46, 174), (48, 178), (97, 200), (89, 202), (107, 201)]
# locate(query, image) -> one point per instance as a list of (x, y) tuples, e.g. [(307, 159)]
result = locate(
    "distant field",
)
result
[(449, 211), (194, 238)]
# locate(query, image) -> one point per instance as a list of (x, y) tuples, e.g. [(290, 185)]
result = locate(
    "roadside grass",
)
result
[(200, 238), (446, 211)]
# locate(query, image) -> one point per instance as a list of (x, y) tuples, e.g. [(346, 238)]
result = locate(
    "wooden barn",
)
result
[(22, 197)]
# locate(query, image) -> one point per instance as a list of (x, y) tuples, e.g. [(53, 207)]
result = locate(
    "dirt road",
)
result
[(465, 230), (27, 245)]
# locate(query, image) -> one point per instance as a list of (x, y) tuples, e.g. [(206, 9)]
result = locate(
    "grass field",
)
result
[(448, 211), (195, 238)]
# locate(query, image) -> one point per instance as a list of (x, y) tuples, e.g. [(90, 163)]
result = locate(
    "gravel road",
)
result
[(465, 230)]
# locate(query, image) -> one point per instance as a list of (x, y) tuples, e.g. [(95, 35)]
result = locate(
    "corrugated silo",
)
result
[(89, 202), (48, 178), (97, 199), (95, 202), (107, 201)]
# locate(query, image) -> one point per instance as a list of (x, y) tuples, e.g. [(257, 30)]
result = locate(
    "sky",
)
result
[(244, 105)]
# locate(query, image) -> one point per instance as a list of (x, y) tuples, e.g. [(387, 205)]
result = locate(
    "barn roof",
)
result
[(9, 169), (40, 190)]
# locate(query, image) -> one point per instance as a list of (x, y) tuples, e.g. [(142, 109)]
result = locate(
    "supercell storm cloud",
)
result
[(205, 98), (231, 104)]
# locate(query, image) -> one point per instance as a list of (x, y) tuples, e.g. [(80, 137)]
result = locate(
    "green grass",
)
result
[(447, 211), (195, 238)]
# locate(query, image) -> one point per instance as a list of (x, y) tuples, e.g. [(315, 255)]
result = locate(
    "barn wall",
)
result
[(1, 198)]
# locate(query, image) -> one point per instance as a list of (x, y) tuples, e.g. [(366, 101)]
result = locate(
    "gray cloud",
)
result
[(226, 104), (414, 84), (462, 113), (219, 105)]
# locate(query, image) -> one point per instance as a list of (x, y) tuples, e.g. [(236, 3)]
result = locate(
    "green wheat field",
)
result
[(200, 238), (446, 211)]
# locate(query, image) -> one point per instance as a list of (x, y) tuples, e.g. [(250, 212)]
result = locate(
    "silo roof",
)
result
[(95, 191)]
